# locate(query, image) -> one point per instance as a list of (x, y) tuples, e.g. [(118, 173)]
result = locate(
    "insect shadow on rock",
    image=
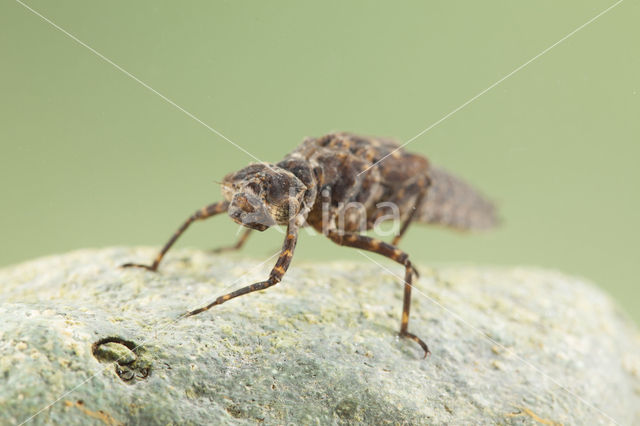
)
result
[(317, 183)]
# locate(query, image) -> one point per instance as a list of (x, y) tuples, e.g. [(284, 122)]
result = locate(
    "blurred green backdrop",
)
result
[(92, 158)]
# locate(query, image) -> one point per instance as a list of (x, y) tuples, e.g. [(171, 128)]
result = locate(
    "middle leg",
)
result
[(377, 246), (237, 246)]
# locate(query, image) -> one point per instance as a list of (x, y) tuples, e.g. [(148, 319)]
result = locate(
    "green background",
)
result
[(91, 158)]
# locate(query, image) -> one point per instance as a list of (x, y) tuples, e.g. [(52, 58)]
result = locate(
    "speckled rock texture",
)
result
[(85, 342)]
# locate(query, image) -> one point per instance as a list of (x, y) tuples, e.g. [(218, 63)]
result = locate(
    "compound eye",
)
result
[(255, 187), (278, 193)]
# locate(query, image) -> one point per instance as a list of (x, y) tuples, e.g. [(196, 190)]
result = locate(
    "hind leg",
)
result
[(422, 186)]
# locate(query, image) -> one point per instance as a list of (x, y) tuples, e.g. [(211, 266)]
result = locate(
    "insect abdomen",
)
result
[(452, 202)]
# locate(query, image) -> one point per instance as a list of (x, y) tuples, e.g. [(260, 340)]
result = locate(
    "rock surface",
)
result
[(104, 345)]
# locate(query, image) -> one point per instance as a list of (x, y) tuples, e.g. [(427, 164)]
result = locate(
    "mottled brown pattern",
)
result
[(400, 178), (335, 184)]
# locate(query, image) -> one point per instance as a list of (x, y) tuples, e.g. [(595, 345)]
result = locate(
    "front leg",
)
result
[(278, 271), (203, 213)]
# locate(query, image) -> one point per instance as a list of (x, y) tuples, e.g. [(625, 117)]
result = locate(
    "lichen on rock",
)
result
[(109, 345)]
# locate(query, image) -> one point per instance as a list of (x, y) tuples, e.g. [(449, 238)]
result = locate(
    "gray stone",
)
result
[(84, 342)]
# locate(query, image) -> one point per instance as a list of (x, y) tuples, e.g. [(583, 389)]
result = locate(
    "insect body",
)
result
[(336, 184)]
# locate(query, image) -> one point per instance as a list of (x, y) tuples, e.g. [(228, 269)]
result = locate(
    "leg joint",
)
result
[(274, 279)]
